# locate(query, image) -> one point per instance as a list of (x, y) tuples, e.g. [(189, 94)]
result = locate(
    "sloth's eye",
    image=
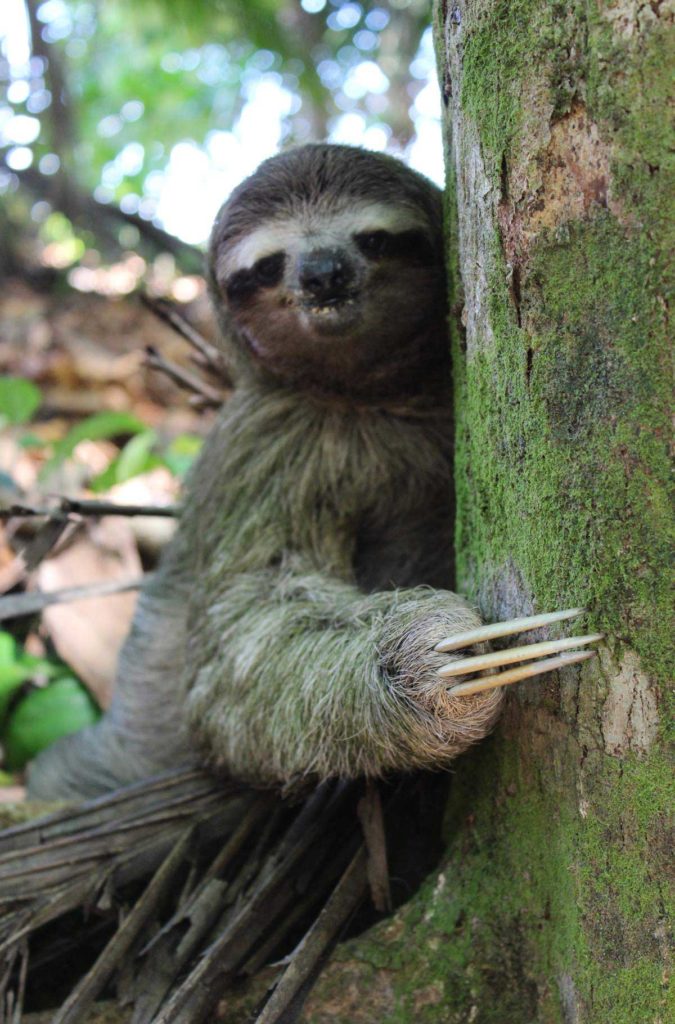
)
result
[(268, 271), (412, 246), (240, 286), (374, 244), (264, 274)]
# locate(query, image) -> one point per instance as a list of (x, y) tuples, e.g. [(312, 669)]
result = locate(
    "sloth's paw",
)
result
[(550, 654)]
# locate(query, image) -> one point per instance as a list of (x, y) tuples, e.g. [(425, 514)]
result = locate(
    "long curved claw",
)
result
[(514, 675), (499, 629), (507, 657)]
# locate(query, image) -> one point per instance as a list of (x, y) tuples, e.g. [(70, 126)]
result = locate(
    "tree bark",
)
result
[(551, 902)]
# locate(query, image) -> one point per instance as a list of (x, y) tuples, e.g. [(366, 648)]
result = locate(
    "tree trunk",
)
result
[(551, 902)]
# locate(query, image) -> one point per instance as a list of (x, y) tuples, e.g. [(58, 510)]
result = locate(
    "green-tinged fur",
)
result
[(295, 670), (283, 666), (290, 630)]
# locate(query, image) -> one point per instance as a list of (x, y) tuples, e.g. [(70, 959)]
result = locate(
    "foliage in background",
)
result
[(34, 716), (20, 400), (40, 698), (117, 105)]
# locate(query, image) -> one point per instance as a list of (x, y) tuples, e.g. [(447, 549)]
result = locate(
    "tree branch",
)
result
[(87, 507), (15, 606), (211, 358), (183, 378), (82, 209)]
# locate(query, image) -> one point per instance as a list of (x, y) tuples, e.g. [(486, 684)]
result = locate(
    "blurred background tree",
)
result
[(123, 125)]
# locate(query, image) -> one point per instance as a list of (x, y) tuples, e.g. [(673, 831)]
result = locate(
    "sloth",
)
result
[(299, 626)]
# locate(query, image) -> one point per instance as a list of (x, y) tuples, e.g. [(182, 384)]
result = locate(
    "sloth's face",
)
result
[(324, 299)]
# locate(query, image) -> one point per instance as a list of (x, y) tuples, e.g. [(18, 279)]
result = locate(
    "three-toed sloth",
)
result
[(291, 628)]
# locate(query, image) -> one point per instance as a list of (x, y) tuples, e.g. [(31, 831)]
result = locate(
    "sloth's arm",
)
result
[(294, 674)]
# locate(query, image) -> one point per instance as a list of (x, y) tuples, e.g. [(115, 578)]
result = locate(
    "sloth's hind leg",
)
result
[(144, 731)]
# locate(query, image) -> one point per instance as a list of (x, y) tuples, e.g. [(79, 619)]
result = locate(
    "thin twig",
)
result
[(345, 899), (76, 1006), (212, 357), (134, 801), (328, 873), (369, 810), (171, 948), (86, 507), (271, 895), (183, 378), (57, 528), (14, 606), (54, 864), (21, 988)]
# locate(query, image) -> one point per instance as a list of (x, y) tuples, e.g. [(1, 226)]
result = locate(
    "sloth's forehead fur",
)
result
[(320, 190), (315, 228)]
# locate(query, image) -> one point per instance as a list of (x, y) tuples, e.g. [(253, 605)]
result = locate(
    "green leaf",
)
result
[(136, 457), (94, 428), (17, 667), (12, 675), (45, 715), (182, 452), (30, 441), (19, 398), (7, 648)]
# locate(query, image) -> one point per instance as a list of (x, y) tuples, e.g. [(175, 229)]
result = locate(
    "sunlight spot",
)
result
[(19, 158), (20, 130)]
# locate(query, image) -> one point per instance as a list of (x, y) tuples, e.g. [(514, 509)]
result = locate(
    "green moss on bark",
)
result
[(562, 493), (516, 928), (562, 461), (551, 906)]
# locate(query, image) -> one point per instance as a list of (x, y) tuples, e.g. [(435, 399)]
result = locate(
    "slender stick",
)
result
[(77, 1004), (21, 988), (14, 606), (346, 897), (184, 379), (166, 312), (86, 507), (369, 810), (56, 529)]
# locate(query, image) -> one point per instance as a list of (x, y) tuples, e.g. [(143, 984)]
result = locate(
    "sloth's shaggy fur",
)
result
[(290, 630)]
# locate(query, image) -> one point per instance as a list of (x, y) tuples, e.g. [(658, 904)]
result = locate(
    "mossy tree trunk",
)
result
[(551, 903)]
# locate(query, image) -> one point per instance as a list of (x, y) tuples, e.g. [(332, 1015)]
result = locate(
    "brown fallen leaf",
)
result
[(12, 794), (89, 633)]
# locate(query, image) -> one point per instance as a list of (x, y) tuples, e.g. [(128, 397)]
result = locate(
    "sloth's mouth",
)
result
[(328, 306), (330, 316)]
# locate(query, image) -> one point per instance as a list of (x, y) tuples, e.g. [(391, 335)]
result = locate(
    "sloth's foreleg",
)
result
[(300, 674)]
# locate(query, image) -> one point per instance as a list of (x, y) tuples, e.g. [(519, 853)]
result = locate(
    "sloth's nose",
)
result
[(325, 274)]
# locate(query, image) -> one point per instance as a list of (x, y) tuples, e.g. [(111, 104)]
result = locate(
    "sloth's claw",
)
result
[(545, 656), (498, 629), (507, 657), (514, 675)]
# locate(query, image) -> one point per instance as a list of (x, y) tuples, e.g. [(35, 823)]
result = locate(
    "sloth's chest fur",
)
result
[(357, 493)]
